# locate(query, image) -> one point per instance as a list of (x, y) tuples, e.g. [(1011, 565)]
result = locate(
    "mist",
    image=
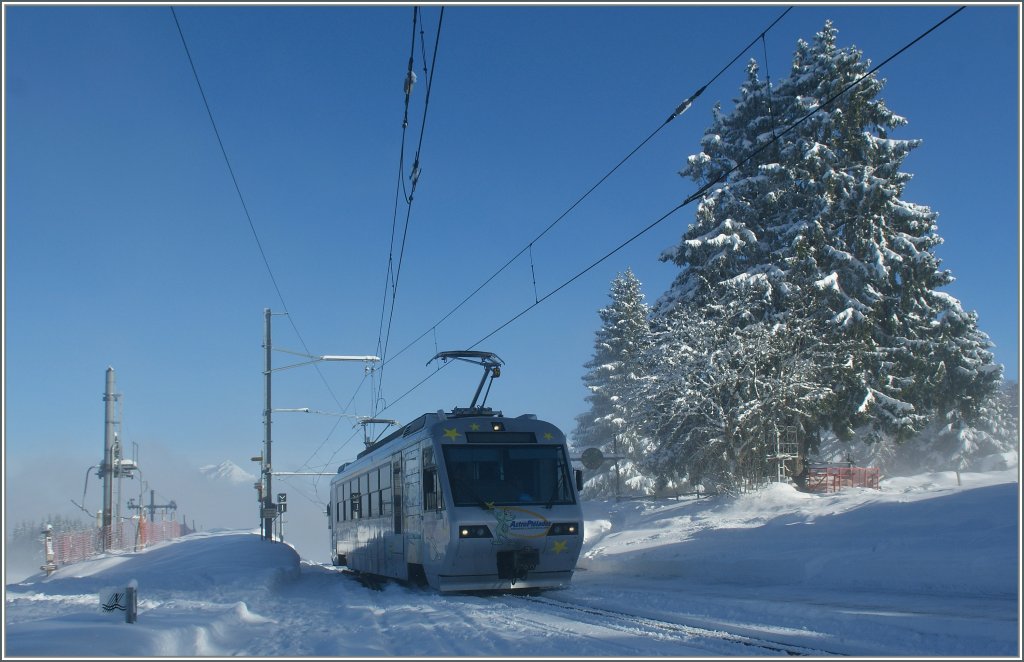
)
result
[(203, 503)]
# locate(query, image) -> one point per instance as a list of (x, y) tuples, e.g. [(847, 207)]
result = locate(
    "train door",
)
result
[(396, 540), (436, 536), (413, 523)]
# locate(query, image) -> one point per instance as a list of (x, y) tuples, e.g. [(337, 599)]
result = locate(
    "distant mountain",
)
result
[(227, 471)]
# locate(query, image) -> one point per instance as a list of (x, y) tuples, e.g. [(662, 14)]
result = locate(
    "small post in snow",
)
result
[(50, 565), (131, 612)]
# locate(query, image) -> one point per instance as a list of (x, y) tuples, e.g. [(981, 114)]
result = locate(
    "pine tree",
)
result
[(813, 235), (623, 338)]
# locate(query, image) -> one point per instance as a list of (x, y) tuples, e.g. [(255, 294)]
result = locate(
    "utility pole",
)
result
[(267, 505), (163, 507), (268, 509), (107, 467)]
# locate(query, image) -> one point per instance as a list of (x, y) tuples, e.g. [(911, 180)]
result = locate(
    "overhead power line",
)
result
[(394, 271), (689, 199), (241, 199), (679, 110)]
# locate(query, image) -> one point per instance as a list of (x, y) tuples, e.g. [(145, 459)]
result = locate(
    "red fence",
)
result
[(833, 479), (72, 546)]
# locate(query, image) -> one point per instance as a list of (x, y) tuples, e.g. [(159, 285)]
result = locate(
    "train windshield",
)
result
[(508, 475)]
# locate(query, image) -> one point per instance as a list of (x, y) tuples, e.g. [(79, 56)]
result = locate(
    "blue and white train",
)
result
[(464, 500)]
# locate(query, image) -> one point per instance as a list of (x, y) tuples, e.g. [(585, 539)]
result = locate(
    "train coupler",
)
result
[(516, 564)]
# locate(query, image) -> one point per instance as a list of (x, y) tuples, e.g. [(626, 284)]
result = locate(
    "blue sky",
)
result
[(126, 243)]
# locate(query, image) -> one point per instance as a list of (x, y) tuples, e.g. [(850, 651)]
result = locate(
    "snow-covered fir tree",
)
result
[(619, 344), (716, 396), (812, 233)]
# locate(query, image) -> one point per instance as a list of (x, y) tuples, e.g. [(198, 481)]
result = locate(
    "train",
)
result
[(462, 500)]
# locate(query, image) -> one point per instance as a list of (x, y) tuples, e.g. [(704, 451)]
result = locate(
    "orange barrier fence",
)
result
[(72, 546), (833, 479)]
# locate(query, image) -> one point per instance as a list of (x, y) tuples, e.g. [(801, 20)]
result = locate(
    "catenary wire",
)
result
[(414, 177), (410, 79), (680, 109), (689, 199), (245, 207)]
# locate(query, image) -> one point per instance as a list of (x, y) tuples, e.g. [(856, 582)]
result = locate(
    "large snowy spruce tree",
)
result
[(804, 223), (619, 346)]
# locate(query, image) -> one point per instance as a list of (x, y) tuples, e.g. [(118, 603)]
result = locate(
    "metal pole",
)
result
[(615, 450), (268, 523), (107, 467)]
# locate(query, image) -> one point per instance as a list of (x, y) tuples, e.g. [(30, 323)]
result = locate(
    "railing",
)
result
[(833, 479)]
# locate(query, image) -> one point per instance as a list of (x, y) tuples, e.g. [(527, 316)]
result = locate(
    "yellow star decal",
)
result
[(451, 433), (489, 505), (558, 547), (474, 427), (548, 436)]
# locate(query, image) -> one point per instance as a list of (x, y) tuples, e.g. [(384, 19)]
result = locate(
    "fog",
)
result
[(204, 503)]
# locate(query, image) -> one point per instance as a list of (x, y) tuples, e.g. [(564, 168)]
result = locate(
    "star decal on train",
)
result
[(474, 427), (558, 546), (451, 433), (548, 436)]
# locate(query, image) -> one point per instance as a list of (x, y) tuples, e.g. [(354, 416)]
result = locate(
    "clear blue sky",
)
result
[(126, 243)]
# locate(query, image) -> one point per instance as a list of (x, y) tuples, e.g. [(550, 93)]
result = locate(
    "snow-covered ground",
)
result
[(923, 567)]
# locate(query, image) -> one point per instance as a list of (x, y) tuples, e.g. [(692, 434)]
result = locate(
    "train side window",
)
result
[(343, 499), (374, 480), (396, 497), (355, 505), (430, 489)]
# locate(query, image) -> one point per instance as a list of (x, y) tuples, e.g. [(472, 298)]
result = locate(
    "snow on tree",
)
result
[(623, 338), (812, 234), (991, 443), (716, 395)]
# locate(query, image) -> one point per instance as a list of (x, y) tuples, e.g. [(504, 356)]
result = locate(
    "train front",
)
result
[(515, 517)]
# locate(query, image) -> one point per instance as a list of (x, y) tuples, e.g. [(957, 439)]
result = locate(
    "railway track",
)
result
[(688, 634)]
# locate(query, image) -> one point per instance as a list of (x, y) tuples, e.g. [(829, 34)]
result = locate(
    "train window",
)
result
[(508, 475), (385, 501), (354, 503), (364, 483), (396, 497), (374, 480), (385, 477), (431, 492), (365, 510)]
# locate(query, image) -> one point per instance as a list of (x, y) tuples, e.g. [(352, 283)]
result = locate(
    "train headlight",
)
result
[(564, 529), (475, 531)]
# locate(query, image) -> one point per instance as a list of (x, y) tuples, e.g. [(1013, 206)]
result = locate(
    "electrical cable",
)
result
[(414, 178), (245, 207), (680, 109), (828, 102), (689, 199)]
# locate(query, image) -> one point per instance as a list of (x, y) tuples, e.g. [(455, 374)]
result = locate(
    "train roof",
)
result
[(418, 423)]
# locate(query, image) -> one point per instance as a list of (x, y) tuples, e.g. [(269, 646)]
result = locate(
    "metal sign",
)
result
[(592, 458), (269, 512)]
